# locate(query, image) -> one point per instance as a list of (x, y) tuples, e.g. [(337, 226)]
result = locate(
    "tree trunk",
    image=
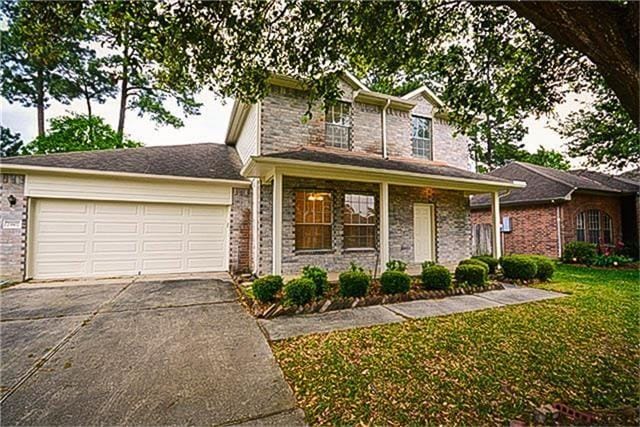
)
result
[(88, 101), (124, 87), (606, 32), (40, 101)]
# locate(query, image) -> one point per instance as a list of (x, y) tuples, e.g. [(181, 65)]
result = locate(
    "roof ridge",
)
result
[(107, 150), (535, 169)]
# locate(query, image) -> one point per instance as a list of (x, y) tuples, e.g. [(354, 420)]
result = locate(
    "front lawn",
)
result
[(482, 367)]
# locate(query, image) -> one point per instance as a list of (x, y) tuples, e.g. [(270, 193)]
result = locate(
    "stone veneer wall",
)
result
[(453, 223), (13, 241), (240, 252)]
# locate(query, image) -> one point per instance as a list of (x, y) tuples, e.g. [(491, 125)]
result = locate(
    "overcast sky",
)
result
[(211, 124)]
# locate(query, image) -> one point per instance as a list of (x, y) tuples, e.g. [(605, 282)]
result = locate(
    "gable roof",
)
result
[(612, 181), (547, 185), (205, 161), (428, 93), (633, 175)]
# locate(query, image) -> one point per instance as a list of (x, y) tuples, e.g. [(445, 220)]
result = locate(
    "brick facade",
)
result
[(13, 240), (584, 202), (535, 227), (240, 242), (453, 226)]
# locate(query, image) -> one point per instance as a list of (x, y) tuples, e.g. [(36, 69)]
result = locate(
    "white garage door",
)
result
[(83, 238)]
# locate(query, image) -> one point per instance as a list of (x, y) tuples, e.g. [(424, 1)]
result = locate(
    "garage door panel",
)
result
[(85, 238)]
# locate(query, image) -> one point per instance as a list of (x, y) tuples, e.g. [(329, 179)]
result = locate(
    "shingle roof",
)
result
[(546, 184), (206, 160), (615, 182), (376, 162)]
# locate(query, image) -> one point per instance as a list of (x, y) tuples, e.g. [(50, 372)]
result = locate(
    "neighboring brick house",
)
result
[(558, 207), (371, 178)]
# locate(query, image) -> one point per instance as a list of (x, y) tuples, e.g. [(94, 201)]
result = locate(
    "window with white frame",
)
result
[(359, 221), (421, 137), (338, 125), (594, 226), (314, 219)]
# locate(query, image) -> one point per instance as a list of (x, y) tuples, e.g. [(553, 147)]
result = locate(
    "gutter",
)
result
[(115, 174), (384, 129)]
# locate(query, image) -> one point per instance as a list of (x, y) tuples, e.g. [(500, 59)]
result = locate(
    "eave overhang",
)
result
[(265, 167)]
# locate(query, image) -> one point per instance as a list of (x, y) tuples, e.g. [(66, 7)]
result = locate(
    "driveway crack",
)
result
[(44, 359)]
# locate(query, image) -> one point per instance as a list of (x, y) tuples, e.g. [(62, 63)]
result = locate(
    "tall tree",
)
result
[(78, 133), (602, 131), (548, 158), (124, 30), (10, 143), (41, 40)]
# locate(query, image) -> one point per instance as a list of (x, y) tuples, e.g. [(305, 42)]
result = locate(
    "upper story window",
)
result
[(594, 226), (421, 137), (314, 219), (338, 125)]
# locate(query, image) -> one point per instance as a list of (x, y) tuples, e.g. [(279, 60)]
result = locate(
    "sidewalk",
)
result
[(290, 326)]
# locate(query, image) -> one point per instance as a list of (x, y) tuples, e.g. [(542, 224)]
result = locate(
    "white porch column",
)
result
[(384, 225), (495, 222), (276, 256)]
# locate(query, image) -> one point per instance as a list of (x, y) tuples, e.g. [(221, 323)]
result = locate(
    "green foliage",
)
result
[(579, 252), (10, 143), (436, 277), (299, 291), (545, 267), (354, 283), (603, 260), (427, 264), (78, 133), (394, 282), (396, 265), (475, 261), (319, 277), (266, 288), (355, 267), (491, 262), (602, 131), (519, 267), (471, 274), (547, 158)]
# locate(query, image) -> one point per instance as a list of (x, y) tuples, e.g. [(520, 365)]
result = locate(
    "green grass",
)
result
[(483, 367)]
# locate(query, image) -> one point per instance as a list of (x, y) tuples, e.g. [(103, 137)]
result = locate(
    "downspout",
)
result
[(385, 155), (559, 231)]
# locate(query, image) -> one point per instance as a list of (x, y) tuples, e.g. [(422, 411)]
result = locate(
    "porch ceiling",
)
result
[(351, 166)]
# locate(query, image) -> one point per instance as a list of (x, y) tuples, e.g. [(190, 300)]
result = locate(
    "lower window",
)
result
[(313, 220), (359, 221)]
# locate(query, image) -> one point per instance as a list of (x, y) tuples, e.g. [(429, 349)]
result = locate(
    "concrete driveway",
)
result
[(137, 352)]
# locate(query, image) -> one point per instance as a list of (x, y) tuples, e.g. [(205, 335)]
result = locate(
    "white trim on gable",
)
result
[(426, 92)]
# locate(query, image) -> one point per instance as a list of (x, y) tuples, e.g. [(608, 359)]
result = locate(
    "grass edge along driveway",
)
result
[(482, 367)]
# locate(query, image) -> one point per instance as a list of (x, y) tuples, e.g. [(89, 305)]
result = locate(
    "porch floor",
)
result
[(290, 326)]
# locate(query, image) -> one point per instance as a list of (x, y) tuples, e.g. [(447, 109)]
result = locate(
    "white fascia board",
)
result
[(25, 169), (261, 167)]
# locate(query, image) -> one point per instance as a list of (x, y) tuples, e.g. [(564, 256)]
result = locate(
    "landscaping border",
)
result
[(323, 305)]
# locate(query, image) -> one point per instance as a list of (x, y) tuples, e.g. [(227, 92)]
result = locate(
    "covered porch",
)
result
[(329, 209)]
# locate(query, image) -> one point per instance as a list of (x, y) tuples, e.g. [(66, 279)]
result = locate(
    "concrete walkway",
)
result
[(291, 326)]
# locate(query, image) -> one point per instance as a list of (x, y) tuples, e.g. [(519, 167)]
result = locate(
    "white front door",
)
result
[(423, 232)]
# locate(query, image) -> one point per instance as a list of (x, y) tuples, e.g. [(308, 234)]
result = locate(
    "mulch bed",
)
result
[(333, 301)]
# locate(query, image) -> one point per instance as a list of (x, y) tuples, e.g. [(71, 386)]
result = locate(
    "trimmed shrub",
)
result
[(427, 264), (436, 277), (319, 276), (266, 288), (394, 282), (579, 253), (473, 261), (519, 267), (396, 265), (299, 291), (354, 283), (546, 267), (489, 260), (471, 274)]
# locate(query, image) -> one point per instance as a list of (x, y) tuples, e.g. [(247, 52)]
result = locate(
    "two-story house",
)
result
[(370, 178)]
